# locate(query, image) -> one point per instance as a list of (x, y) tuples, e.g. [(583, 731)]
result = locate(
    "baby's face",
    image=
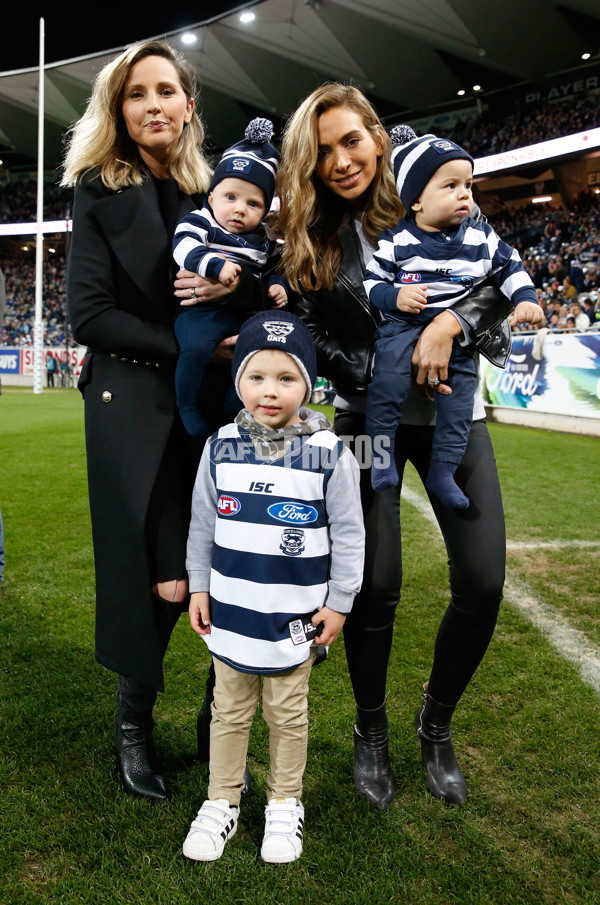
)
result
[(237, 205), (447, 199)]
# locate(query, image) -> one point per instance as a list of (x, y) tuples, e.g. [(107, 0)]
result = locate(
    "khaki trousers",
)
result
[(285, 710)]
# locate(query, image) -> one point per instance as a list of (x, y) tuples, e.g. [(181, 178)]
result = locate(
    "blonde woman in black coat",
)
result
[(135, 158)]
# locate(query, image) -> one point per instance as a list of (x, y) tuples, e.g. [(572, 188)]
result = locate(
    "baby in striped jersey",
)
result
[(275, 559), (435, 256), (215, 242)]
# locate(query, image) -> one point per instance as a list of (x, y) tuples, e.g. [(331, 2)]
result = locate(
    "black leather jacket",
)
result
[(343, 321)]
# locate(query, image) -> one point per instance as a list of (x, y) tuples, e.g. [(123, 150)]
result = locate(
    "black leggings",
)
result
[(476, 546)]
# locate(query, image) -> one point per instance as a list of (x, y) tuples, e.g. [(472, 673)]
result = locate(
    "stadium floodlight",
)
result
[(247, 17)]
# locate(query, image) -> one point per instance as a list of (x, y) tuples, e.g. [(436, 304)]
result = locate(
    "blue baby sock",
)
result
[(440, 481)]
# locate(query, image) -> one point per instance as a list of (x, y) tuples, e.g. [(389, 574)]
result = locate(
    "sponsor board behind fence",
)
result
[(20, 360), (555, 373)]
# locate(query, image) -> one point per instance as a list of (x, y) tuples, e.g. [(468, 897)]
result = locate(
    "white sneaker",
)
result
[(284, 828), (215, 823)]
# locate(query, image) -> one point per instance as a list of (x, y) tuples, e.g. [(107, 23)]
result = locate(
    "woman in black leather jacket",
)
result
[(337, 195)]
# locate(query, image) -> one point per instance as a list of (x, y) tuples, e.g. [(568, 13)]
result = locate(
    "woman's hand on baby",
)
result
[(411, 298), (199, 610), (331, 624), (432, 352)]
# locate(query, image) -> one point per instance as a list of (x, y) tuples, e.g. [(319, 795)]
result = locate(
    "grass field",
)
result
[(527, 732)]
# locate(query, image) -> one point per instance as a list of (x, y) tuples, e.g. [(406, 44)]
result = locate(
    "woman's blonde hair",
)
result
[(310, 214), (100, 138)]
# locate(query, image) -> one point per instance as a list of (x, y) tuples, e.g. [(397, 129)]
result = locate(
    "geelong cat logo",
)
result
[(228, 505), (278, 330), (293, 513), (292, 541)]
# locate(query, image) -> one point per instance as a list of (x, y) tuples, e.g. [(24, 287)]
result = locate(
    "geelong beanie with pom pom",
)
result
[(415, 160), (253, 159)]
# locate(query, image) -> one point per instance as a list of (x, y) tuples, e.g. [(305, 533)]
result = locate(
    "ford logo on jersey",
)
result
[(228, 505), (409, 277), (293, 513)]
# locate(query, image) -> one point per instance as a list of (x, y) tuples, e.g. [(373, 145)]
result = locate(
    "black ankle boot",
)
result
[(132, 733), (444, 777), (372, 771)]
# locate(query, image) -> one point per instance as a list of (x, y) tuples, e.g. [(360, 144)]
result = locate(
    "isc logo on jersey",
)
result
[(228, 505), (405, 277)]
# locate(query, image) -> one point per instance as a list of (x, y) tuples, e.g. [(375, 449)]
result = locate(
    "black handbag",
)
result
[(486, 311)]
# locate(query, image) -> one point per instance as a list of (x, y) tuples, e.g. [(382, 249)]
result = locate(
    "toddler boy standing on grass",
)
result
[(275, 551)]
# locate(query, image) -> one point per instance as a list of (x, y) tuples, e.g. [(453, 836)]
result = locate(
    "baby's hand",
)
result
[(529, 313), (199, 610), (411, 299), (331, 624), (278, 295), (229, 272)]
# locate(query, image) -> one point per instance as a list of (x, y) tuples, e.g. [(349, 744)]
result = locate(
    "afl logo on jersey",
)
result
[(405, 277), (228, 505), (293, 513)]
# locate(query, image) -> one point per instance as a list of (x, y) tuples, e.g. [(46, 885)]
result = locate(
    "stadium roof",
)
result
[(410, 56)]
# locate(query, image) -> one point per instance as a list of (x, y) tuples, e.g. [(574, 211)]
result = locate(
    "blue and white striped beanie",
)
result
[(253, 159), (415, 160), (283, 332)]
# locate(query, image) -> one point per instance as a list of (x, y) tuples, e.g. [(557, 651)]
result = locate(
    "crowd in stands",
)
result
[(19, 276), (488, 133), (18, 202), (561, 252)]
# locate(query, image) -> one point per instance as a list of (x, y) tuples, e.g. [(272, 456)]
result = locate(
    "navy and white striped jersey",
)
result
[(199, 240), (268, 539), (449, 264)]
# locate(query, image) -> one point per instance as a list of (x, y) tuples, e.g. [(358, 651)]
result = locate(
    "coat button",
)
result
[(106, 396)]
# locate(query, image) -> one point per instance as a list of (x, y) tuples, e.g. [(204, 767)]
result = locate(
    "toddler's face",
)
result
[(272, 388), (237, 205), (447, 199)]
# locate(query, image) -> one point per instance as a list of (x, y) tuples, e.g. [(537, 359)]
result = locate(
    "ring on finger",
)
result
[(193, 292), (433, 381)]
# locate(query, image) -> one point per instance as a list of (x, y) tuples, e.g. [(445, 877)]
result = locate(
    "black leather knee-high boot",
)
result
[(444, 777), (132, 733), (372, 771)]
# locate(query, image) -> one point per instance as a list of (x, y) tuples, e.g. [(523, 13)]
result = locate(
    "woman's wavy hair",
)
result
[(100, 138), (310, 214)]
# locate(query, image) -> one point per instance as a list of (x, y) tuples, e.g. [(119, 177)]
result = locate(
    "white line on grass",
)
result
[(568, 641), (550, 545)]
